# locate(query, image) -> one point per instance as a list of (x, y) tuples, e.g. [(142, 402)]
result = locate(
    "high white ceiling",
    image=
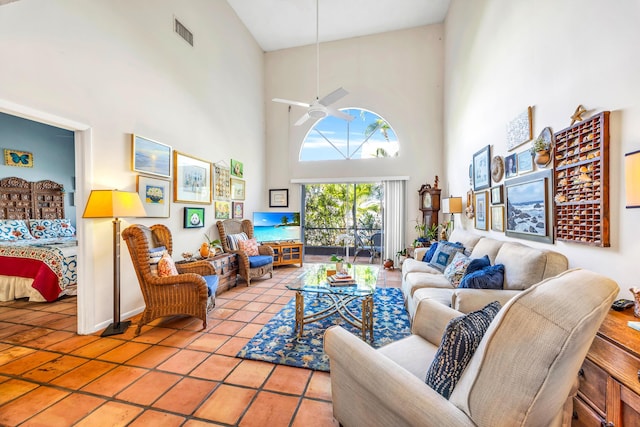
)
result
[(280, 24)]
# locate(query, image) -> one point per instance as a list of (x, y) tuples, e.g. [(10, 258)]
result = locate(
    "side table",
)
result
[(226, 266)]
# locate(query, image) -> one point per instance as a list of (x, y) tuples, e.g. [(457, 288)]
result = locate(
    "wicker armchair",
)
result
[(247, 268), (186, 293)]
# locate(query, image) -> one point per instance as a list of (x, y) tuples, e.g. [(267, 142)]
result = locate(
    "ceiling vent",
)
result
[(183, 32)]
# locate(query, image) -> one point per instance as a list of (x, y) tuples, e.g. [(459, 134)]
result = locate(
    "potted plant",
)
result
[(210, 246), (401, 255), (540, 148), (339, 260)]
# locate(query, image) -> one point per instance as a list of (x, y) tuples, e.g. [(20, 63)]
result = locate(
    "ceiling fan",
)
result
[(320, 107)]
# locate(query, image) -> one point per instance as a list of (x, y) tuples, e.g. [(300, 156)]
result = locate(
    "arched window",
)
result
[(367, 136)]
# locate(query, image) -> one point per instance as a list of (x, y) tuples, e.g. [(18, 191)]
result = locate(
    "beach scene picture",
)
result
[(276, 226), (526, 207)]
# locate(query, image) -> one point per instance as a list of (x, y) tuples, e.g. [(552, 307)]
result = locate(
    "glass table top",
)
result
[(314, 279)]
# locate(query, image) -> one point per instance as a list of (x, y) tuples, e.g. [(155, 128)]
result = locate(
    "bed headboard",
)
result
[(20, 199)]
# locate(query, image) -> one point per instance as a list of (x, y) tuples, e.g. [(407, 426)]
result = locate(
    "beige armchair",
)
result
[(522, 374), (249, 267)]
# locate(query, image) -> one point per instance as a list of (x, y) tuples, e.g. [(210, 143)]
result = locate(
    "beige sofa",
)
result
[(523, 373), (524, 266)]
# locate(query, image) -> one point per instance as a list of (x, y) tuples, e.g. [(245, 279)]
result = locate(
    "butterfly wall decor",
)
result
[(18, 158)]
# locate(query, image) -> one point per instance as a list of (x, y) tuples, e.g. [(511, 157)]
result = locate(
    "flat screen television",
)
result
[(276, 226)]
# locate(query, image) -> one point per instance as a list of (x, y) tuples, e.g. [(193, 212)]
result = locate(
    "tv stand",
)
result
[(286, 253)]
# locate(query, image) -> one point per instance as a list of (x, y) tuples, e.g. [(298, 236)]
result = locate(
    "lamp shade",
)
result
[(632, 179), (452, 205), (113, 204)]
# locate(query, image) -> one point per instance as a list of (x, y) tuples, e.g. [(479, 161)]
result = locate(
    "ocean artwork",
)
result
[(526, 208)]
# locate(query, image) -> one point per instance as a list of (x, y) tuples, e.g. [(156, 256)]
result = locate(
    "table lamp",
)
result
[(452, 205), (114, 204)]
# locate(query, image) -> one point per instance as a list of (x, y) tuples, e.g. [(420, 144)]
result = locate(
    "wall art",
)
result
[(155, 194), (237, 189), (21, 159), (279, 198), (237, 169), (519, 129), (482, 169), (193, 217), (529, 208), (191, 179), (222, 209), (481, 210), (497, 195), (525, 162), (238, 210), (221, 183), (497, 218), (150, 157)]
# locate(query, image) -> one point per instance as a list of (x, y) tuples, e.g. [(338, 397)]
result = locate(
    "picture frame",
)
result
[(529, 211), (482, 169), (222, 209), (519, 130), (150, 157), (497, 195), (237, 189), (238, 210), (193, 217), (497, 218), (525, 162), (155, 194), (191, 179), (22, 159), (279, 198), (511, 166), (237, 169), (482, 211), (221, 182)]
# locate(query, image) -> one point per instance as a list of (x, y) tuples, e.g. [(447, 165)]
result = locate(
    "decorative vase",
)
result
[(338, 267), (542, 157), (204, 250)]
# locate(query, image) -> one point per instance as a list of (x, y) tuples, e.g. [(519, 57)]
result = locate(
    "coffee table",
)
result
[(314, 281)]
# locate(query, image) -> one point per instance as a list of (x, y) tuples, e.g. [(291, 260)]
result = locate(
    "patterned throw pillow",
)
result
[(491, 277), (249, 246), (429, 254), (166, 266), (457, 268), (14, 229), (51, 228), (444, 254), (460, 340), (155, 255), (65, 228), (233, 239), (478, 264)]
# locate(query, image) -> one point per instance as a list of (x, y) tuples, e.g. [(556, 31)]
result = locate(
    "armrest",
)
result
[(203, 268), (468, 300), (265, 250), (431, 319), (418, 253), (387, 394)]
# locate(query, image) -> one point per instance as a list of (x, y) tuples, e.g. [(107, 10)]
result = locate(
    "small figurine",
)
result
[(435, 184), (388, 264)]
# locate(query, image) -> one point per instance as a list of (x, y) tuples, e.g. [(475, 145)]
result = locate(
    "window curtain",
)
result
[(394, 218)]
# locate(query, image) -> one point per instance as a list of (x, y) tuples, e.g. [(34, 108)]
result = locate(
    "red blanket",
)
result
[(44, 279)]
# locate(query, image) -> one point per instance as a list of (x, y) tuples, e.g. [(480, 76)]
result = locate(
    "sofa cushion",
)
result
[(460, 340), (468, 240), (491, 277), (428, 256), (488, 247), (259, 260), (444, 254), (212, 284), (457, 268), (478, 264), (523, 265)]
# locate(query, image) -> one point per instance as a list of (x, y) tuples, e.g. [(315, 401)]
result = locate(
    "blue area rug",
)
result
[(277, 342)]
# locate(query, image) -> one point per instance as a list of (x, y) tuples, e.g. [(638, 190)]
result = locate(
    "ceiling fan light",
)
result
[(317, 113)]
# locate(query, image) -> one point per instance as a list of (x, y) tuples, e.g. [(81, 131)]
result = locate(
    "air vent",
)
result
[(183, 32)]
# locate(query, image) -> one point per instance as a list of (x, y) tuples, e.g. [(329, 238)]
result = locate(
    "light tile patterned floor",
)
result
[(173, 374)]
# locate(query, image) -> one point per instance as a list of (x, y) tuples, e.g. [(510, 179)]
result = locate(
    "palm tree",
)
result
[(380, 125)]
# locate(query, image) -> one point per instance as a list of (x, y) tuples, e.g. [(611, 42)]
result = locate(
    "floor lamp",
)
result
[(452, 205), (114, 204)]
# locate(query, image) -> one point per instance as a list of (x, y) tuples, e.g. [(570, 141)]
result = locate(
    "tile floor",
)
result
[(172, 374)]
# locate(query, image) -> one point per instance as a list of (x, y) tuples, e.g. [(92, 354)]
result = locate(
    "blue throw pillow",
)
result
[(429, 253), (491, 277), (444, 254), (460, 340), (478, 264)]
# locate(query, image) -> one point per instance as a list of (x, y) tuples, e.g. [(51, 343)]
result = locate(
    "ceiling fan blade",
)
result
[(287, 101), (333, 96), (302, 119), (339, 114)]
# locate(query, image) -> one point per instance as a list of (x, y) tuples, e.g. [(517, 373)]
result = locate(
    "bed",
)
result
[(38, 247)]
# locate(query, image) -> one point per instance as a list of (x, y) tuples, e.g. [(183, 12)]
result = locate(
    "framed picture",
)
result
[(223, 209), (238, 210), (22, 159), (497, 218), (193, 217), (519, 129), (511, 165), (481, 210), (529, 209), (221, 185), (237, 169), (279, 198), (525, 161), (191, 179), (497, 195), (150, 157), (155, 195), (482, 169), (237, 189)]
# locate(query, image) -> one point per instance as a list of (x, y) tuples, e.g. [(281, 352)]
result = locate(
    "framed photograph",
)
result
[(237, 169), (22, 159), (529, 210), (511, 166), (193, 217), (481, 210), (279, 198), (237, 189), (238, 210), (519, 129), (155, 195), (525, 161), (150, 157), (191, 179), (221, 183), (497, 193), (482, 169), (497, 218), (223, 209)]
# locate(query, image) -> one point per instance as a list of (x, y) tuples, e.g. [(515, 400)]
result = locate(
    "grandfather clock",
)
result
[(429, 204)]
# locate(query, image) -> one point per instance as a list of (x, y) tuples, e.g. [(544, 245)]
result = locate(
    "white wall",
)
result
[(503, 55), (397, 75), (119, 67)]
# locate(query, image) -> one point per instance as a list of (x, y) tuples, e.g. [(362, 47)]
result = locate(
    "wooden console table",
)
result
[(285, 253), (609, 393), (226, 266)]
